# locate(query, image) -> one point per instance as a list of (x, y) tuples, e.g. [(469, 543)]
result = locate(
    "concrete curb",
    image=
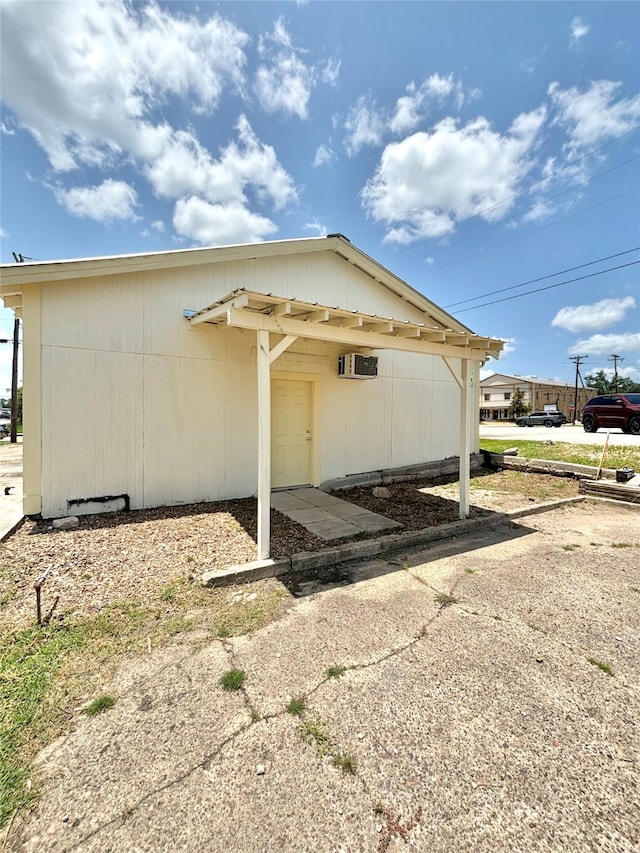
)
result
[(544, 466), (5, 533), (328, 557)]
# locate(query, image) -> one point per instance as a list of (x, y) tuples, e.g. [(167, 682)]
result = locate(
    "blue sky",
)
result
[(469, 147)]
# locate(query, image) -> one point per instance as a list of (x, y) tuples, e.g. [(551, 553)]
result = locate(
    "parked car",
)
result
[(547, 419), (612, 410), (5, 429)]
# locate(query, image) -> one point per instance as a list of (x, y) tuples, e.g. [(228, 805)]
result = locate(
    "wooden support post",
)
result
[(264, 446), (465, 439)]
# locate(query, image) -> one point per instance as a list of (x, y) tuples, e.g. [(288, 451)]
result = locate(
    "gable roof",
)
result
[(14, 276)]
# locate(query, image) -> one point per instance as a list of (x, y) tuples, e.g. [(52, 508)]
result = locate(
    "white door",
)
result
[(290, 433)]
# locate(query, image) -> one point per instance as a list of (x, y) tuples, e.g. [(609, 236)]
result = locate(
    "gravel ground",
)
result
[(133, 556)]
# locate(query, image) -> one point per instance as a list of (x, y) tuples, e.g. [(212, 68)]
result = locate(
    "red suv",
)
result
[(613, 410)]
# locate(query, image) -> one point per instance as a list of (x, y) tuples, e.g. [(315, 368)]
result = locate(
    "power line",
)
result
[(537, 230), (542, 278), (549, 287)]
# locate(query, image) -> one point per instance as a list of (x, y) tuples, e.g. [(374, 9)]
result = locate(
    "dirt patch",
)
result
[(427, 503), (133, 556)]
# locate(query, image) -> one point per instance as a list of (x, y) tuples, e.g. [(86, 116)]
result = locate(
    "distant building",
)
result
[(496, 395)]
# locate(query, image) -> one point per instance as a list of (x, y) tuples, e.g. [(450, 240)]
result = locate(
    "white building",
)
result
[(206, 374)]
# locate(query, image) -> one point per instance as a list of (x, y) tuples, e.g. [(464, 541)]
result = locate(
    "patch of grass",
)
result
[(297, 706), (346, 762), (46, 673), (623, 456), (315, 732), (99, 705), (223, 632), (497, 617), (470, 571), (571, 547), (622, 544), (169, 593), (601, 665), (335, 671), (232, 680), (445, 599), (28, 661)]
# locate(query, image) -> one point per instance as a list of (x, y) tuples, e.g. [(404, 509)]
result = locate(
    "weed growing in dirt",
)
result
[(335, 671), (601, 665), (297, 706), (346, 762), (470, 571), (315, 732), (622, 544), (168, 593), (102, 703), (445, 599), (232, 680), (570, 547)]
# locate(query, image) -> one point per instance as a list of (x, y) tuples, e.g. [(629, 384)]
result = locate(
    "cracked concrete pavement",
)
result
[(477, 720)]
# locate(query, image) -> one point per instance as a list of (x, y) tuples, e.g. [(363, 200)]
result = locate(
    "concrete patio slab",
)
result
[(333, 528), (346, 510), (285, 501), (326, 516), (307, 516), (371, 522), (316, 497)]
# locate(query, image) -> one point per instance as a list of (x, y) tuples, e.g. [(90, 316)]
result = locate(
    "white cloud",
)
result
[(428, 182), (285, 83), (410, 107), (158, 226), (364, 125), (600, 344), (104, 203), (4, 128), (317, 228), (598, 315), (578, 30), (509, 346), (217, 224), (330, 71), (89, 80), (324, 156), (83, 77), (594, 116), (625, 372)]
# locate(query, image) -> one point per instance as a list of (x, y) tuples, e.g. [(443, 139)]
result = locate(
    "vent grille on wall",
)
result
[(353, 365)]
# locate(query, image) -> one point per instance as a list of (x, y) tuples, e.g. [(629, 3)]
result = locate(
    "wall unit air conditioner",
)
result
[(353, 365)]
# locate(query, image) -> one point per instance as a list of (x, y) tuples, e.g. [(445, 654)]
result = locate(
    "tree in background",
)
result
[(518, 406), (599, 381), (19, 400)]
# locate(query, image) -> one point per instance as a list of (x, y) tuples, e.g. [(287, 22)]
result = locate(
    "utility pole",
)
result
[(19, 259), (578, 359), (14, 383), (615, 358)]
